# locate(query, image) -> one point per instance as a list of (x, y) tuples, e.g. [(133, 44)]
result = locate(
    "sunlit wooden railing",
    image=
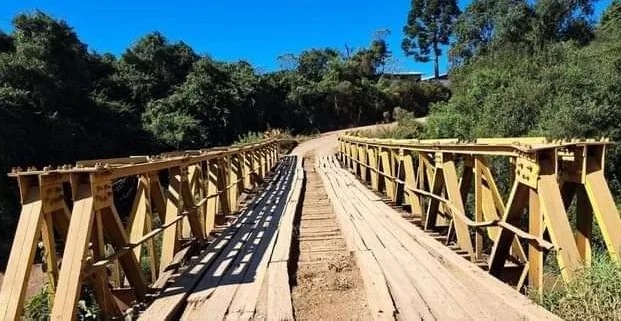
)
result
[(451, 185), (179, 197)]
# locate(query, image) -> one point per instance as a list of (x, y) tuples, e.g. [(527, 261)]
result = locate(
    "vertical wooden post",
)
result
[(55, 217), (387, 168), (223, 178), (602, 202), (233, 177), (138, 215), (189, 206), (247, 161), (22, 250), (257, 164), (436, 188), (212, 193), (478, 208), (518, 199), (103, 294), (555, 216), (374, 168), (535, 253), (411, 181), (174, 206), (78, 237), (584, 225), (362, 153), (455, 197)]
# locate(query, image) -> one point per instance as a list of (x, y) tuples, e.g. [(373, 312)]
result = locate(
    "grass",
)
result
[(408, 127), (250, 137), (38, 307), (594, 295)]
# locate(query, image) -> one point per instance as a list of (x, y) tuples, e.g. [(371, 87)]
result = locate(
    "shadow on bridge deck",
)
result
[(225, 280)]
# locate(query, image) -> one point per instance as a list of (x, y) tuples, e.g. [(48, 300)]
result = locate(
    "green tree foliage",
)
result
[(313, 63), (487, 26), (429, 26), (153, 66), (612, 16)]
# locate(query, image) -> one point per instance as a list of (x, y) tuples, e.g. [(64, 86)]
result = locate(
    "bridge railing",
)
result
[(179, 197), (452, 184)]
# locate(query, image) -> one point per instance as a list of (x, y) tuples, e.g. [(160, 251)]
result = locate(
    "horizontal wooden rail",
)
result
[(455, 212), (450, 183), (104, 248)]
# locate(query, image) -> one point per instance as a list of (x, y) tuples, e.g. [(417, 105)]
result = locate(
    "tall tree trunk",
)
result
[(436, 67)]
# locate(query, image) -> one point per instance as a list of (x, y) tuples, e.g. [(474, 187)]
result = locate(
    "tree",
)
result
[(153, 66), (429, 26), (313, 63), (287, 61), (490, 23), (562, 20), (493, 25), (6, 42), (612, 15), (373, 60)]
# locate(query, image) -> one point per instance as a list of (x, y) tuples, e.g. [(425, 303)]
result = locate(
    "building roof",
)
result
[(405, 73), (432, 77)]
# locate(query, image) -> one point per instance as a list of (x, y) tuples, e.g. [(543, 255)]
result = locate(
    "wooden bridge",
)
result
[(439, 229)]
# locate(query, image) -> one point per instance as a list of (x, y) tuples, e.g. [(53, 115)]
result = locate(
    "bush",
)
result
[(594, 295), (407, 127), (38, 308)]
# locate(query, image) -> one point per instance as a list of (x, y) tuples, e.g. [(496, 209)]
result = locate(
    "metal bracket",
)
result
[(527, 171)]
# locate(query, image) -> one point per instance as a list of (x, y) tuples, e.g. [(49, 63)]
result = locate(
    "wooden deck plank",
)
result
[(218, 292), (167, 305), (424, 262)]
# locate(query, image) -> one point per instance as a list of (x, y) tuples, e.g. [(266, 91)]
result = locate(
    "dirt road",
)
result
[(326, 282)]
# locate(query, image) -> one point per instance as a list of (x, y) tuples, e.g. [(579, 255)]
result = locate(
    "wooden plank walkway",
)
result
[(326, 282), (226, 280), (409, 275)]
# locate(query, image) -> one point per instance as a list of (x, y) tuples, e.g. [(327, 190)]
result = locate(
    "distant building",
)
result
[(442, 78), (404, 75)]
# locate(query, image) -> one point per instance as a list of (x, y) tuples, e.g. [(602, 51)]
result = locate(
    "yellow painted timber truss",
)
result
[(99, 249), (436, 178)]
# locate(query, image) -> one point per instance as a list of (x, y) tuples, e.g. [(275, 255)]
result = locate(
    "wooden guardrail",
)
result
[(451, 183), (178, 199)]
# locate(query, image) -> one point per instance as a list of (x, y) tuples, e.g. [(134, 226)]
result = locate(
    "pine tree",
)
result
[(429, 26)]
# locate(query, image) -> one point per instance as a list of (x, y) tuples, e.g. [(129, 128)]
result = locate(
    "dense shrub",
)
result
[(594, 295)]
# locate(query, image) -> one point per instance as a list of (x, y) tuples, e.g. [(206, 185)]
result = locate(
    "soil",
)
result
[(326, 283), (35, 282)]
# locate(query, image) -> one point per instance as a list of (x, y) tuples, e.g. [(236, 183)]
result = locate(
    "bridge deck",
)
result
[(225, 283), (408, 272)]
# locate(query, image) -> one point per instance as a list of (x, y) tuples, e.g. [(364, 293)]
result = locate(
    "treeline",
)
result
[(60, 101)]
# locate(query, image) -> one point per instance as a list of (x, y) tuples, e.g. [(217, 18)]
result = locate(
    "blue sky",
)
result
[(256, 31)]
